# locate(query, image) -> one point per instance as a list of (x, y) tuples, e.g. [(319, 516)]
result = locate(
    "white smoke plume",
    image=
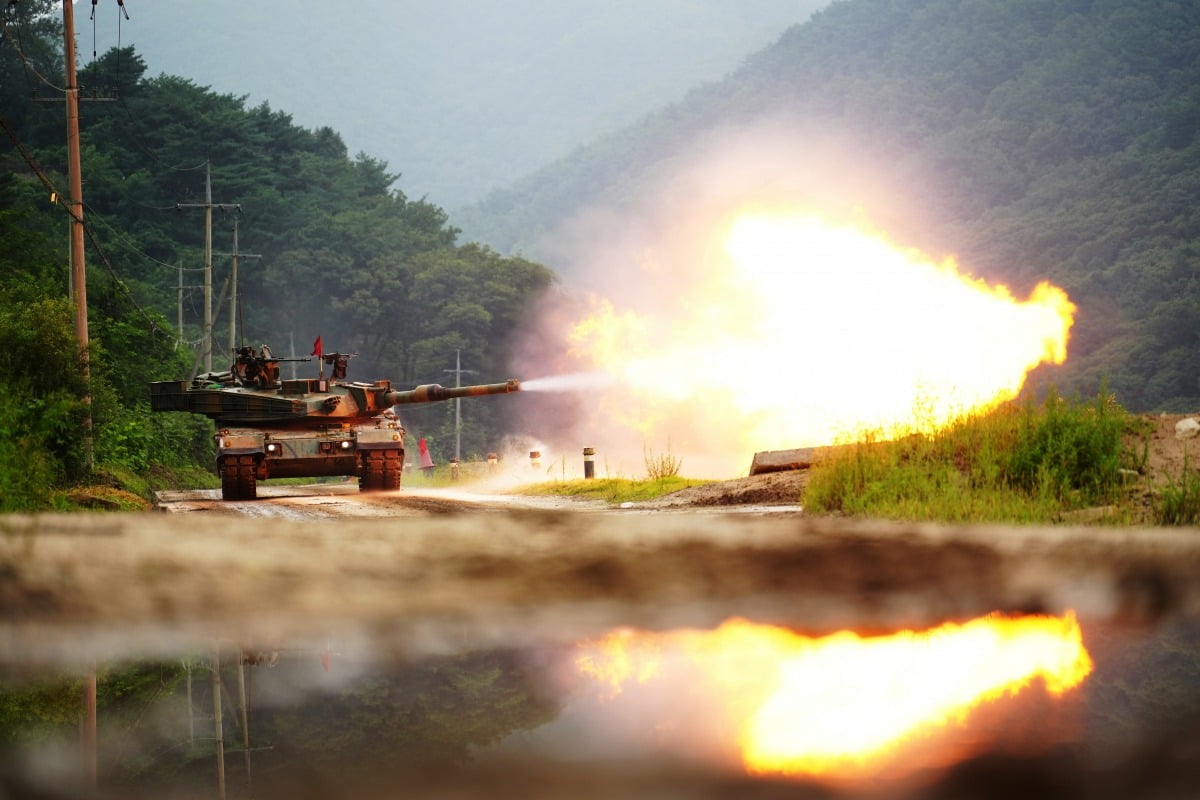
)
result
[(647, 258)]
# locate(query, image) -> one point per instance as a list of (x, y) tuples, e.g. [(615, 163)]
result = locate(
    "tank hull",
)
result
[(373, 452)]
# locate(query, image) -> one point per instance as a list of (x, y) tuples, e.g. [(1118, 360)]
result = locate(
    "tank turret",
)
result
[(267, 427)]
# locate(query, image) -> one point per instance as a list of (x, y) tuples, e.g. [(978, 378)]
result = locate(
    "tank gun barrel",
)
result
[(433, 393)]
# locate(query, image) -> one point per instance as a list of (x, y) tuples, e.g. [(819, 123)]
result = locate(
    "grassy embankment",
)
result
[(117, 488), (1025, 462)]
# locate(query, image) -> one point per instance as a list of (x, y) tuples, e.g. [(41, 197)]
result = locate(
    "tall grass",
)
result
[(1179, 501), (1026, 461), (662, 465)]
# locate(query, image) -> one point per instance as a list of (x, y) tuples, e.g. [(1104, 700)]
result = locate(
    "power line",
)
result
[(57, 198), (120, 98), (120, 10), (118, 237), (25, 59), (154, 326)]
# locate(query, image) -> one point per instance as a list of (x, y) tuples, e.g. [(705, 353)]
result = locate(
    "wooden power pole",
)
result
[(75, 176)]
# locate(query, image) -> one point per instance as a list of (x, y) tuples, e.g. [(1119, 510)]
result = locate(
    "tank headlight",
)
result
[(346, 444), (271, 448), (395, 437), (224, 443)]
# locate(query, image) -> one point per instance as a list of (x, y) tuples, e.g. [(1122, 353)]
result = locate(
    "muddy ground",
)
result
[(1166, 455)]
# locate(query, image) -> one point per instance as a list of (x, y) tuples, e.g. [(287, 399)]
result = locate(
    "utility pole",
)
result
[(90, 770), (245, 709), (233, 287), (218, 725), (458, 373), (78, 267), (208, 206), (179, 306), (234, 322)]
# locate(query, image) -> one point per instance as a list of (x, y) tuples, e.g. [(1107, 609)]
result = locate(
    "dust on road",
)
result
[(772, 493)]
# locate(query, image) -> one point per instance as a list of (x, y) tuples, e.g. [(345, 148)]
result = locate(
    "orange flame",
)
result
[(830, 706), (789, 331)]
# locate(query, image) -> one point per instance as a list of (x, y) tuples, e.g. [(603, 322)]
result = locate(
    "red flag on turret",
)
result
[(317, 351)]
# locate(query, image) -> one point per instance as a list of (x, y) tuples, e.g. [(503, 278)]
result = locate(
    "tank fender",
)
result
[(238, 443), (380, 438)]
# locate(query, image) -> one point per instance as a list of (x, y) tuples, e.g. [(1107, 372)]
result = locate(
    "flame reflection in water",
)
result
[(837, 705)]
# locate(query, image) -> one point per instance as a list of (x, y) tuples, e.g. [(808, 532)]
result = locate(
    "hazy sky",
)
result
[(460, 96)]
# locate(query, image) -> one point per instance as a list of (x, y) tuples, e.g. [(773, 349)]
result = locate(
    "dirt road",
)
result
[(776, 494), (324, 501), (409, 568)]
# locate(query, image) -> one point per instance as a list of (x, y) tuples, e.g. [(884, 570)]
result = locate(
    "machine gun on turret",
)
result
[(339, 362), (256, 368)]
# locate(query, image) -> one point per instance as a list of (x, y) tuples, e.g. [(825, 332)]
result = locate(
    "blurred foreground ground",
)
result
[(433, 582)]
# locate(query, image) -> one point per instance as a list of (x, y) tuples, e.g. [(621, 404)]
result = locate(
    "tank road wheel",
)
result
[(380, 471), (229, 483), (370, 477), (238, 478), (247, 478), (391, 470)]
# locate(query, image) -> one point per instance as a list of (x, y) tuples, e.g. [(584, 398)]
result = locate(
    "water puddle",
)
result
[(632, 714)]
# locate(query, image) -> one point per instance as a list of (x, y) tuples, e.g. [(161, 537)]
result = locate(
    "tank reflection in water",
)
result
[(629, 714)]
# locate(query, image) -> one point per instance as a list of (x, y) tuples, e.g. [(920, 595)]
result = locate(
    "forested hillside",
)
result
[(1034, 139), (338, 253)]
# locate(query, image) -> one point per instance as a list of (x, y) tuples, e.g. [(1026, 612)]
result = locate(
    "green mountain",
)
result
[(1033, 139)]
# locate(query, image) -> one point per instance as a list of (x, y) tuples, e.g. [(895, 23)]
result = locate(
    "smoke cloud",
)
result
[(761, 293), (655, 259)]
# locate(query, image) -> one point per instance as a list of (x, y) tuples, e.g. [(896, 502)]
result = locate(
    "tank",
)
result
[(303, 428)]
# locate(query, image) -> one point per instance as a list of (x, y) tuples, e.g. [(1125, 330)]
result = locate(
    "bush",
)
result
[(1023, 462), (1064, 449), (27, 469), (659, 467)]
